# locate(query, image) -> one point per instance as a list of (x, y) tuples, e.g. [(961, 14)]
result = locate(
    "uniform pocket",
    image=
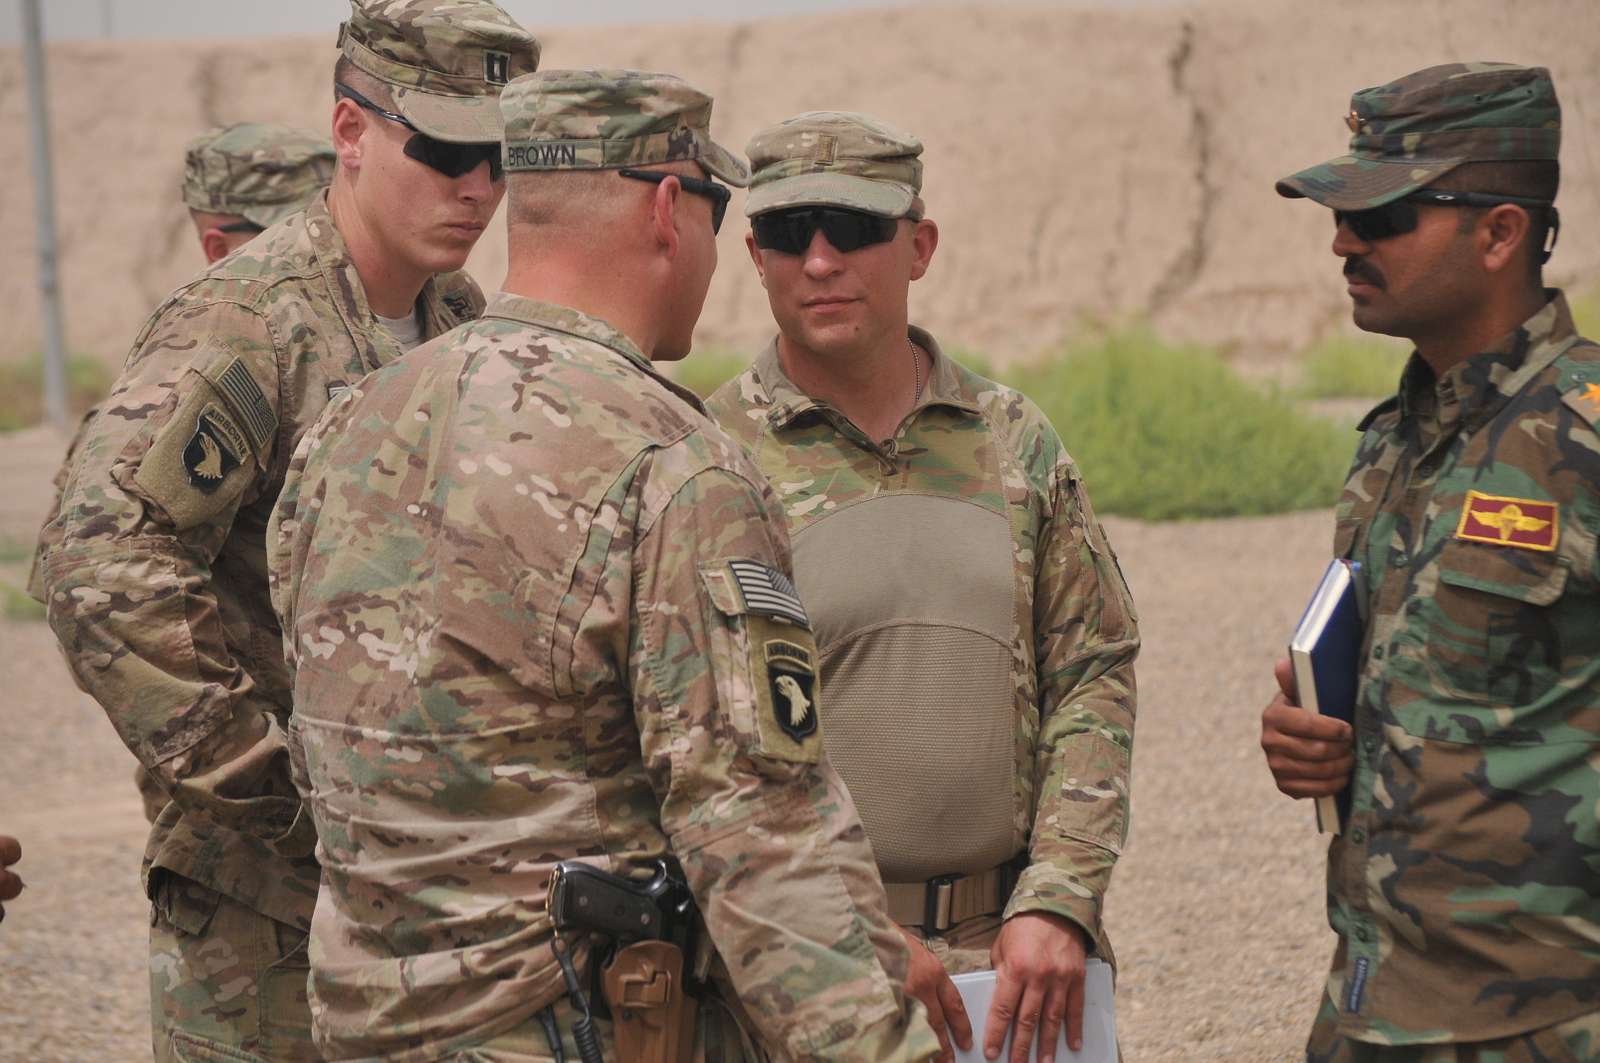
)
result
[(1494, 639)]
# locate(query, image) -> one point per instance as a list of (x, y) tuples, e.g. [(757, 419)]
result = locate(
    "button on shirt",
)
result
[(1466, 893)]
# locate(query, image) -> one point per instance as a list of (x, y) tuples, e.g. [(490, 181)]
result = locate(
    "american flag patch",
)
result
[(244, 397), (768, 592)]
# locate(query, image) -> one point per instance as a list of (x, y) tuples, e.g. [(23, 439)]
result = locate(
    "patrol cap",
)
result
[(607, 119), (447, 60), (834, 159), (259, 171), (1413, 131)]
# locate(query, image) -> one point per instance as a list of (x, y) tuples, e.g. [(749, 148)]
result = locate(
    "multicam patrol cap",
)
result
[(447, 60), (259, 171), (1413, 131), (835, 159), (607, 119)]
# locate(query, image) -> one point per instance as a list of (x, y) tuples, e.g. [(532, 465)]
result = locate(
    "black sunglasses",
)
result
[(789, 232), (452, 160), (1400, 216), (718, 194), (240, 227)]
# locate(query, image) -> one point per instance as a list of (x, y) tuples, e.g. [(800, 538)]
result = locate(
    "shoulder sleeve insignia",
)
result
[(792, 678), (213, 451), (1520, 522), (768, 592)]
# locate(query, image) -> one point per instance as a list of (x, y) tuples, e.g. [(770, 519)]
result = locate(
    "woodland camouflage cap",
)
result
[(447, 60), (1413, 131), (259, 171), (834, 159), (606, 119)]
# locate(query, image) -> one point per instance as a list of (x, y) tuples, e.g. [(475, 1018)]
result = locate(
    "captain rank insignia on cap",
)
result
[(1520, 522)]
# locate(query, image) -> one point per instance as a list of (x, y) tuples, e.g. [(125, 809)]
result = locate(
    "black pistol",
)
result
[(585, 899)]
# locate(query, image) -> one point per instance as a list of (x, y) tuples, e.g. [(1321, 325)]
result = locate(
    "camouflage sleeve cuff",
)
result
[(1053, 889)]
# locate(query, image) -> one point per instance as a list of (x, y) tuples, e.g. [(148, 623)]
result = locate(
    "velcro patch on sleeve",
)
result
[(784, 674), (767, 592), (776, 657), (203, 458)]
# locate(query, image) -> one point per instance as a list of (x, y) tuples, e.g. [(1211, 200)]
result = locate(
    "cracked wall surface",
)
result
[(1085, 166)]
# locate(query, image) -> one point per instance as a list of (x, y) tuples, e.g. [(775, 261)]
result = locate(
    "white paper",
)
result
[(1099, 1017)]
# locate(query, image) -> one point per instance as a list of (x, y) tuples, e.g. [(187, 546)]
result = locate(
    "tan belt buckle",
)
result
[(938, 903)]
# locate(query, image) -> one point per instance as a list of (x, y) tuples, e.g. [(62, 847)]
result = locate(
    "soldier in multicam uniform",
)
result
[(537, 608), (154, 568), (1463, 888), (977, 638), (238, 181)]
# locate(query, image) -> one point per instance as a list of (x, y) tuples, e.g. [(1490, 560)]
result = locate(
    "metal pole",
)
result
[(55, 348)]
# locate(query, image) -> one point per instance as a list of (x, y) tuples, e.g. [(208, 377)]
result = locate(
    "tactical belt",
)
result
[(940, 903)]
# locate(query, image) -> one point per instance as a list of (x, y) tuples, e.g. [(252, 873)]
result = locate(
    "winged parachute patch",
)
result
[(1521, 522), (768, 592)]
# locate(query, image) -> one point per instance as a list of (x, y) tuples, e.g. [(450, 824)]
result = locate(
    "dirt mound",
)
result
[(1083, 164)]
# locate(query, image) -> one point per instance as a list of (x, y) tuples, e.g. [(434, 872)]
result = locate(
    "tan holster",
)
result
[(652, 1016)]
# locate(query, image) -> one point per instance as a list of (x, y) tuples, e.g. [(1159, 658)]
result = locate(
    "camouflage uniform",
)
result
[(153, 572), (537, 609), (1015, 678), (261, 173), (1463, 889)]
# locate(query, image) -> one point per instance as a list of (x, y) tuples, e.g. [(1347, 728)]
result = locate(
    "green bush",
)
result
[(1352, 367), (705, 371), (1164, 432), (16, 605), (22, 389)]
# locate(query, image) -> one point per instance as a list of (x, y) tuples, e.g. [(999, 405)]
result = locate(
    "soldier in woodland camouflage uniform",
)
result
[(1464, 887), (240, 180), (154, 569), (537, 608), (977, 638)]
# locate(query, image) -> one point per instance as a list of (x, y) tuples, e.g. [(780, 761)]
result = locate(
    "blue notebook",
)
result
[(1326, 653)]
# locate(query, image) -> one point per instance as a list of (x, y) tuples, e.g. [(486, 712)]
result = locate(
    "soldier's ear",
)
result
[(755, 256), (1502, 231), (924, 242), (664, 207), (214, 243), (349, 122)]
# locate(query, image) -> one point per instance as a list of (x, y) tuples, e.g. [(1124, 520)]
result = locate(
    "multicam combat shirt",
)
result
[(153, 565), (537, 608), (1466, 888), (977, 638)]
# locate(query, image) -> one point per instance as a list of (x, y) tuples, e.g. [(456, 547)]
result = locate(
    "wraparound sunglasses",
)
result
[(452, 160)]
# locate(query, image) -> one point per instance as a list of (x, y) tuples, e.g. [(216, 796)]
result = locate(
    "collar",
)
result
[(564, 319), (786, 402), (1472, 392), (350, 296)]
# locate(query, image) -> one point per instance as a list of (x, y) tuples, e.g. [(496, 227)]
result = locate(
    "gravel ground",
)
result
[(1216, 913)]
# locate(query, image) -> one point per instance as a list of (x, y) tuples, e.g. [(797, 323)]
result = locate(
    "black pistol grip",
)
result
[(589, 899)]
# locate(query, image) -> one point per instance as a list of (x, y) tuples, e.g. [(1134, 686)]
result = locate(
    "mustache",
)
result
[(1359, 269)]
